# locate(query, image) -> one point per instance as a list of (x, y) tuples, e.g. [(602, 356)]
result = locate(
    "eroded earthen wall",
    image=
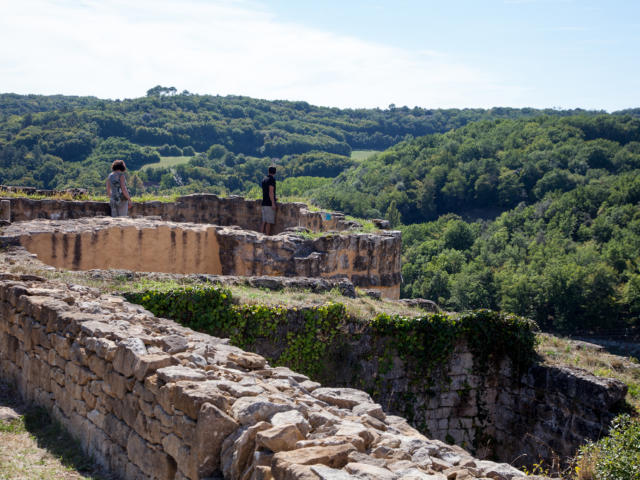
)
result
[(148, 245)]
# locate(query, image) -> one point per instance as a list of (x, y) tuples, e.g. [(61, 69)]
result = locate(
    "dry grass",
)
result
[(563, 351), (34, 447), (362, 307), (585, 468)]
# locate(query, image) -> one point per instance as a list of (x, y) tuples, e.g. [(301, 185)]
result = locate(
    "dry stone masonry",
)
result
[(150, 399)]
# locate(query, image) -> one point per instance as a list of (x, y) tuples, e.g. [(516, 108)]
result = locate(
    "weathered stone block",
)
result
[(212, 427), (152, 462)]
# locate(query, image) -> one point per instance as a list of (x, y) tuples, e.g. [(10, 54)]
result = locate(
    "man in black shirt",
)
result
[(269, 206)]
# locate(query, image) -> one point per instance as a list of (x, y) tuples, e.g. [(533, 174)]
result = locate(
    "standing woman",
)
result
[(119, 197)]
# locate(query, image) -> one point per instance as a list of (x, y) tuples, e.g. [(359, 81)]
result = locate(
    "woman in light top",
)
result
[(119, 198)]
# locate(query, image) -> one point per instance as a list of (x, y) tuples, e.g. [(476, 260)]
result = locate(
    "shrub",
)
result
[(616, 457)]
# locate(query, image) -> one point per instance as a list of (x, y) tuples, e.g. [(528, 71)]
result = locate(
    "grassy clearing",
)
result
[(35, 447), (363, 154), (563, 351), (166, 162)]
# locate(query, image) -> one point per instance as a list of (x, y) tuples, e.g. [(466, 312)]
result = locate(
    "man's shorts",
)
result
[(268, 214)]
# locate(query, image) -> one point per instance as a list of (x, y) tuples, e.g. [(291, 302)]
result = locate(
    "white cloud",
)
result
[(118, 49)]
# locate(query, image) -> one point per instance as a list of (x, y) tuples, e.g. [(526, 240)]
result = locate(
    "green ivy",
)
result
[(430, 340), (426, 342), (306, 349), (209, 309)]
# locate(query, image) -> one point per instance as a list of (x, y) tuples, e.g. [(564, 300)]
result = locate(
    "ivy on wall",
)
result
[(306, 334)]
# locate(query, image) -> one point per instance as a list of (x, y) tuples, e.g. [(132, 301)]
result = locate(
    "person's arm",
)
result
[(108, 187), (272, 196), (125, 192)]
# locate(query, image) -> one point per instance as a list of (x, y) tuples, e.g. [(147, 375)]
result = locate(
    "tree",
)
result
[(393, 215)]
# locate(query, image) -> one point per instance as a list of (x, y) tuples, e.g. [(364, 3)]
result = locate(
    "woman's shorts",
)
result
[(268, 214)]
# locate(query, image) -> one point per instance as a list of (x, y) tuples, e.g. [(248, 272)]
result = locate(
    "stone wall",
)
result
[(149, 399), (368, 260), (197, 208), (491, 410)]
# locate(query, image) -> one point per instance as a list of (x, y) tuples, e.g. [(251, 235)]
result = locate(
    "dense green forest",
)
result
[(565, 246), (570, 261), (487, 167), (58, 142), (529, 211)]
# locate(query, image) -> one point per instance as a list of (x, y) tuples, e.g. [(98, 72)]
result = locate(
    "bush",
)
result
[(616, 457)]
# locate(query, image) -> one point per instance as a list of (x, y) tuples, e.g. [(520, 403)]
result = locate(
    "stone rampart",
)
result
[(147, 245), (150, 399), (197, 208), (489, 408)]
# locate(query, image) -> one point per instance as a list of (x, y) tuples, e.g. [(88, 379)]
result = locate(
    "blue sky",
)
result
[(483, 53)]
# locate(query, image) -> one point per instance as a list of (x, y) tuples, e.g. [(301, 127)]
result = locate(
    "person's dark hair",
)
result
[(118, 165), (272, 170)]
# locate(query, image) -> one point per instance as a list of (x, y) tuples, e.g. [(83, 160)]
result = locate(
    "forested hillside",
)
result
[(566, 249), (570, 261), (487, 167), (533, 212), (58, 141)]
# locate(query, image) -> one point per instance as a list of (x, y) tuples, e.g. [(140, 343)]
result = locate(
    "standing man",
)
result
[(269, 206)]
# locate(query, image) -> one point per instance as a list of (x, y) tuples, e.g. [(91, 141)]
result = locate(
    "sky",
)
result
[(348, 53)]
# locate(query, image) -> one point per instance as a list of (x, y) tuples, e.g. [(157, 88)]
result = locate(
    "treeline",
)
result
[(570, 261), (486, 167), (564, 247), (59, 142)]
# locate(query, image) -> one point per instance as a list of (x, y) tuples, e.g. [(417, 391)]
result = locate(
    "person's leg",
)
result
[(114, 208), (268, 219), (124, 208)]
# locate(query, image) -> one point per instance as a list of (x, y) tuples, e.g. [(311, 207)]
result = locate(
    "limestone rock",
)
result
[(369, 472), (294, 417), (212, 428), (248, 360), (127, 353), (178, 372), (342, 397), (327, 473), (498, 471), (372, 409), (280, 438), (238, 448), (8, 414), (334, 456), (251, 410), (174, 344)]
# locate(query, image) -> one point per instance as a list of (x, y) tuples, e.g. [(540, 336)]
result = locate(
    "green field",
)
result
[(363, 154), (167, 162)]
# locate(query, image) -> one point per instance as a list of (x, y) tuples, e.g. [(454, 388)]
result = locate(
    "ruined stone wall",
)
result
[(149, 399), (369, 261), (552, 411), (197, 208), (490, 410)]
